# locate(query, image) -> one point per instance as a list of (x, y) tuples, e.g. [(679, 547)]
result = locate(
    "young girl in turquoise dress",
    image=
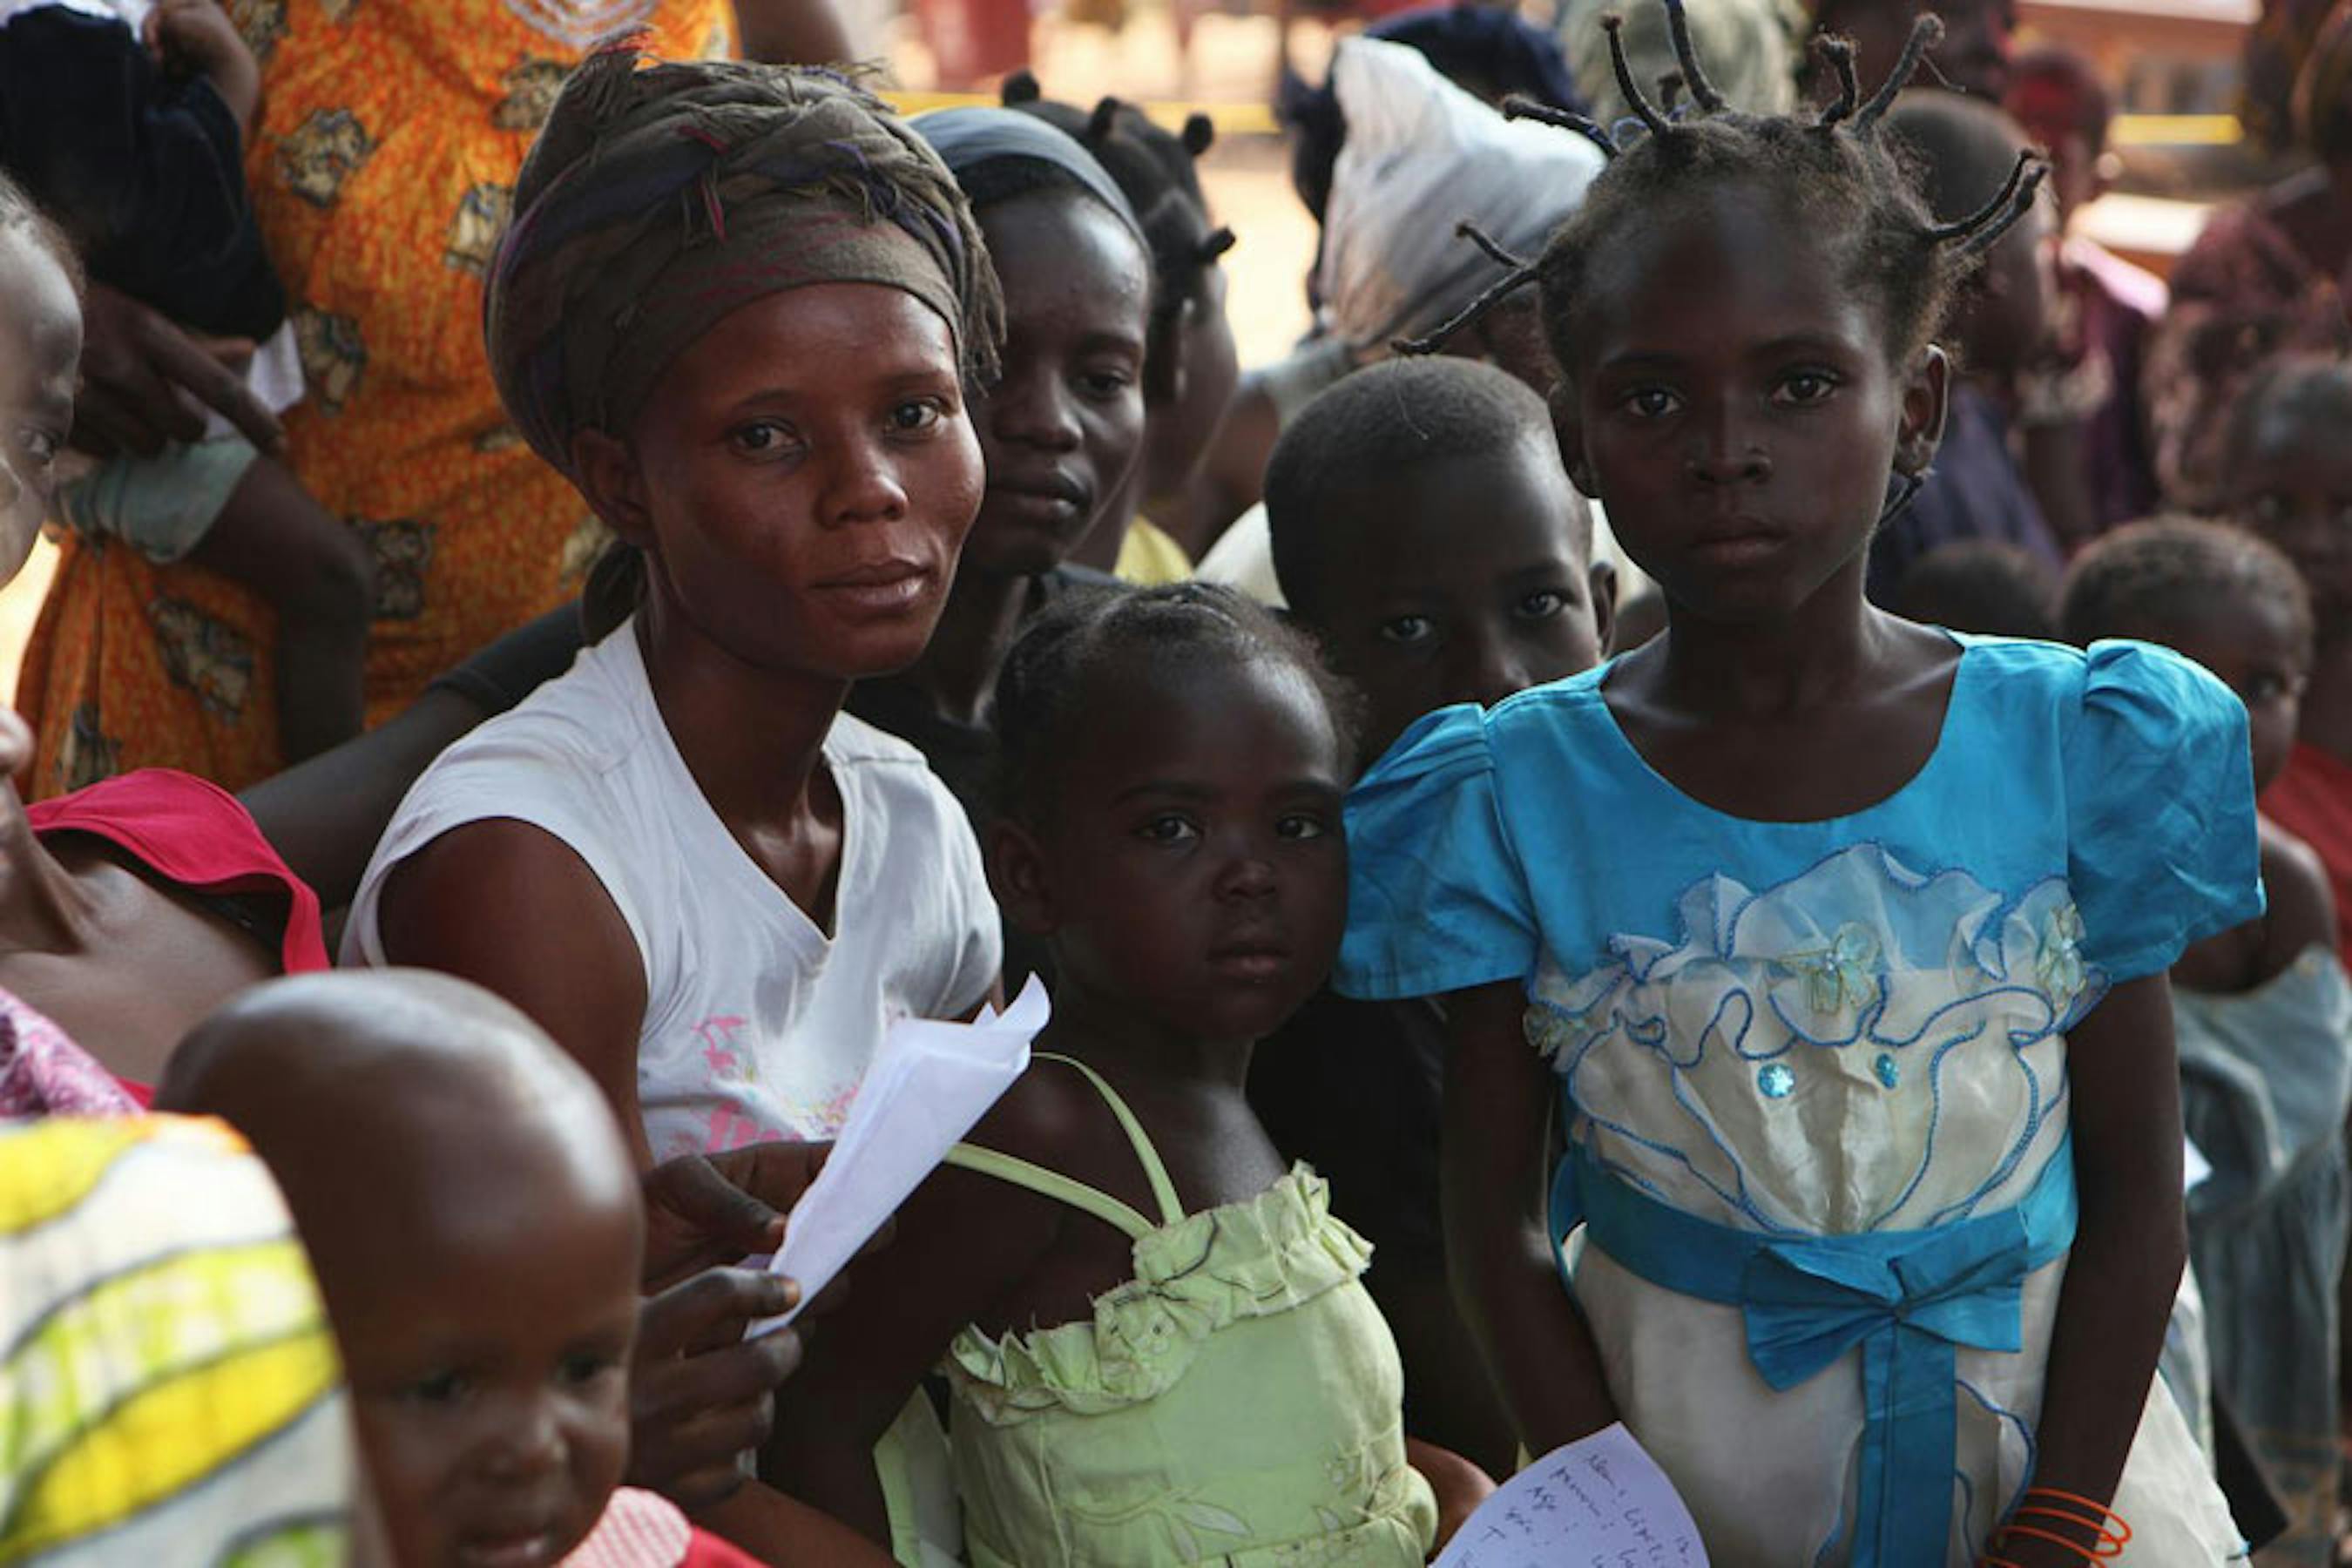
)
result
[(1158, 1347), (2263, 1018), (1840, 942)]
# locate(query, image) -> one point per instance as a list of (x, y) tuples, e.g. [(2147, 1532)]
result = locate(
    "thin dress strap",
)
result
[(1078, 1194)]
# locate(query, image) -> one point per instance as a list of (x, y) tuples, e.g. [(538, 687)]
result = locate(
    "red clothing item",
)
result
[(195, 836), (646, 1530), (2313, 800)]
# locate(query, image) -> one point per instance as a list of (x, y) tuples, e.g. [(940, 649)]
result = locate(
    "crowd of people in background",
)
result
[(1724, 804)]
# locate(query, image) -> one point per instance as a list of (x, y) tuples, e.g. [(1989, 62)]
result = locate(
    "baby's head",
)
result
[(2290, 474), (1190, 366), (40, 362), (1175, 761), (471, 1212), (2217, 594), (1742, 314), (737, 306), (1424, 531)]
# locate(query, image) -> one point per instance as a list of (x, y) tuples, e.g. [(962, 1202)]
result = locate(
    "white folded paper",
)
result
[(1600, 1501), (927, 1086)]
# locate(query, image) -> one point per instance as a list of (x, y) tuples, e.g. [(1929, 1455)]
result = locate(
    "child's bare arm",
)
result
[(2130, 1245), (961, 1243), (1498, 1110), (316, 573), (197, 36)]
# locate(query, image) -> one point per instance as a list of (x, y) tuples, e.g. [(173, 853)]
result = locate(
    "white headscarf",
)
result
[(1421, 156)]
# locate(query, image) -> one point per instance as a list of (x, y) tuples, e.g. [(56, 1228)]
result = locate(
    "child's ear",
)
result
[(1600, 579), (1926, 397), (608, 477), (1018, 874)]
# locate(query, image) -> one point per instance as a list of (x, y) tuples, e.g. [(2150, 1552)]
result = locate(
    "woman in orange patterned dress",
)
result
[(390, 137)]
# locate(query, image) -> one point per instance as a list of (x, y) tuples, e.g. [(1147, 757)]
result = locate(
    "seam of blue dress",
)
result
[(2032, 1453)]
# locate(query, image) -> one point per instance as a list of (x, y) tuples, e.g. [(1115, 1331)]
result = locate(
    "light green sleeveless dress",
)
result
[(1239, 1401)]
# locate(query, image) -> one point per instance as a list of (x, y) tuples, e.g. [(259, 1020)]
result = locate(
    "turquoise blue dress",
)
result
[(1813, 1074)]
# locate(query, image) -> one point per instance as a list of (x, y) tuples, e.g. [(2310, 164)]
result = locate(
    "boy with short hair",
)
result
[(1424, 529)]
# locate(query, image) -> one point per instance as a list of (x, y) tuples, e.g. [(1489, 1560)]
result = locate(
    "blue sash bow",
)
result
[(1908, 1298)]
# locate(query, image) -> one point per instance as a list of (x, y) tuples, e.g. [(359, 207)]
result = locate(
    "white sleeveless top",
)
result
[(757, 1026)]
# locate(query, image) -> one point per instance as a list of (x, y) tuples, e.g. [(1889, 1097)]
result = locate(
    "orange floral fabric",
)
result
[(380, 169)]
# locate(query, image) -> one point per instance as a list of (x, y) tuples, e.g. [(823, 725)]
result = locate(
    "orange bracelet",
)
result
[(2109, 1530), (2104, 1523)]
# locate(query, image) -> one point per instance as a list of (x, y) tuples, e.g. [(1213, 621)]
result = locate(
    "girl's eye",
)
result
[(1799, 388), (1543, 604), (1106, 384), (1407, 630), (1168, 828), (762, 439), (917, 414), (1300, 825), (1649, 403), (440, 1388)]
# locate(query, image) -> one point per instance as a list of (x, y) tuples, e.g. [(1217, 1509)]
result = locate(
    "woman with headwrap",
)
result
[(738, 307), (381, 168)]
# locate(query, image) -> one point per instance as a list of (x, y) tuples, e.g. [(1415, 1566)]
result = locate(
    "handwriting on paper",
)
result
[(1600, 1502)]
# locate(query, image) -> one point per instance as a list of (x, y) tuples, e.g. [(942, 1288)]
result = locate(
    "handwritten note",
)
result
[(1601, 1501), (929, 1082)]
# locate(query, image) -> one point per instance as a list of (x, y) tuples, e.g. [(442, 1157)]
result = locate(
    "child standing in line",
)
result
[(127, 120), (1425, 531), (2290, 480), (1158, 1347), (1840, 940), (2263, 1016)]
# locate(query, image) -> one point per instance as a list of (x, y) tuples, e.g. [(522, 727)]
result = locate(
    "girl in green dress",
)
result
[(1157, 1344)]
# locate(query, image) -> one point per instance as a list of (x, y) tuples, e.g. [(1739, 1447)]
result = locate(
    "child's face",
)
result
[(804, 477), (2006, 314), (40, 359), (2293, 487), (2253, 648), (1737, 408), (1459, 581), (1195, 869), (487, 1344), (1062, 429)]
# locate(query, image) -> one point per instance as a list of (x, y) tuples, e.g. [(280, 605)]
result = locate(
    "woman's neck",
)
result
[(751, 737), (42, 908), (1751, 668), (1109, 1034), (976, 630)]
